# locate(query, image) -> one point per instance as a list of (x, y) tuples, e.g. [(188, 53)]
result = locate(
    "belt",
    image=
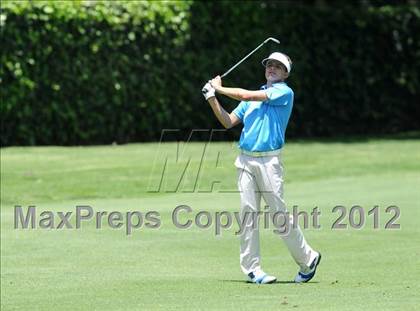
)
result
[(261, 153)]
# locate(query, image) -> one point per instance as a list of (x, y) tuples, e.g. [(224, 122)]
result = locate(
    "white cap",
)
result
[(282, 58)]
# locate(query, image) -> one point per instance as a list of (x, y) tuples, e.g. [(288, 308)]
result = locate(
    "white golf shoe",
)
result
[(305, 275), (261, 278)]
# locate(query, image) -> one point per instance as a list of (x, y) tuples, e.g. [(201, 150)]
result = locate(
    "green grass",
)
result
[(173, 269)]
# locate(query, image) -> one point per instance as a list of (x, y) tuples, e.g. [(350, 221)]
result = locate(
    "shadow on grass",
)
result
[(277, 282), (413, 135), (233, 135)]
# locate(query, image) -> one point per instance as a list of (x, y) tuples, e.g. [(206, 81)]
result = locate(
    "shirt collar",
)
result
[(264, 87)]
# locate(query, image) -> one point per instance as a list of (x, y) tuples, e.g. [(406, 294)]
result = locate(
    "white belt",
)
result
[(261, 153)]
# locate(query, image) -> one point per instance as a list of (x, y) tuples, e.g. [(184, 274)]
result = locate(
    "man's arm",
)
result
[(241, 94), (237, 93), (227, 120)]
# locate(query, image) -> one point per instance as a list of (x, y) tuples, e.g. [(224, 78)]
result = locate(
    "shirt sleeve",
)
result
[(240, 110), (279, 96)]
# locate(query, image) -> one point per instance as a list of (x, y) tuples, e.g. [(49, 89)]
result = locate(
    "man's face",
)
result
[(275, 71)]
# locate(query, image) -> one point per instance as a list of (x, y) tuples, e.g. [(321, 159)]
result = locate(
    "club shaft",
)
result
[(249, 54), (238, 63)]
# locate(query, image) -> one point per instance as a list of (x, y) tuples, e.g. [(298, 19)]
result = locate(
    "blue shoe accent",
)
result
[(260, 279), (307, 276), (310, 275)]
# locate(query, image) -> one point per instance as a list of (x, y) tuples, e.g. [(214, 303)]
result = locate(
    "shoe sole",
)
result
[(316, 266), (271, 282)]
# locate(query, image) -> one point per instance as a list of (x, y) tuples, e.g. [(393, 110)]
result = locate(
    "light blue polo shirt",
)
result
[(265, 122)]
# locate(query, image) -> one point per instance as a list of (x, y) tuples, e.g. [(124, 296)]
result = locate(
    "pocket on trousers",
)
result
[(238, 163)]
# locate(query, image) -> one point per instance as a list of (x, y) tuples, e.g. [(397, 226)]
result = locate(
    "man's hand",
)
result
[(216, 82), (208, 91)]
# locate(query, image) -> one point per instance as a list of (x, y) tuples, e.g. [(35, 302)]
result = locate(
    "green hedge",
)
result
[(74, 73)]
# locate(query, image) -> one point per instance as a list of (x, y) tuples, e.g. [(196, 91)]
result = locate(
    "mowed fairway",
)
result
[(192, 269)]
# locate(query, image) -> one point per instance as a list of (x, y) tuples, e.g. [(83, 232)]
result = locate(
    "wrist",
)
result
[(218, 88)]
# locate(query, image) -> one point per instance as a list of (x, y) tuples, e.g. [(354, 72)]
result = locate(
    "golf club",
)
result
[(238, 63)]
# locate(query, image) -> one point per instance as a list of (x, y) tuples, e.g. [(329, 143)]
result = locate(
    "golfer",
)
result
[(265, 114)]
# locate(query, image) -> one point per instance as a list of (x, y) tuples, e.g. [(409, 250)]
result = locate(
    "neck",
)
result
[(270, 83)]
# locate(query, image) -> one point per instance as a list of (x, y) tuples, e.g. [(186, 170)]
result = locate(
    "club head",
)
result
[(272, 39)]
